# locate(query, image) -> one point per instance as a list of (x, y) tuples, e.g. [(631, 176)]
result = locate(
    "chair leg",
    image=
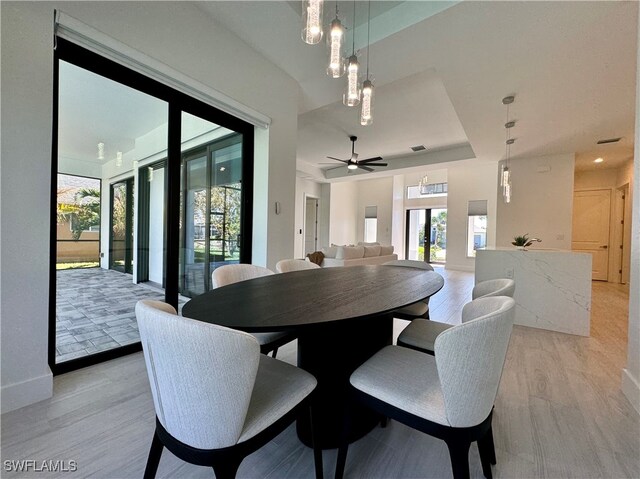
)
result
[(484, 448), (459, 454), (227, 468), (344, 442), (317, 450), (273, 354), (154, 457), (492, 446)]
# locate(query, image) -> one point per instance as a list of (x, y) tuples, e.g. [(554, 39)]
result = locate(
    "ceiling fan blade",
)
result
[(369, 160), (366, 168), (375, 164), (337, 159)]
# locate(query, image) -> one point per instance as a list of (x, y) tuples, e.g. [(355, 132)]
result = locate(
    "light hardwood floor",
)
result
[(559, 414)]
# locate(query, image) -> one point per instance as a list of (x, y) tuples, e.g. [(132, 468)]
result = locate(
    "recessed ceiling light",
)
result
[(222, 168), (598, 160)]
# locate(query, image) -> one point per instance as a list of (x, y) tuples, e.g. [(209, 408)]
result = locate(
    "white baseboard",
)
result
[(17, 395), (631, 389), (460, 267)]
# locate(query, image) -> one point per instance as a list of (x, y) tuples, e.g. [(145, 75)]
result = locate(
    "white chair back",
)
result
[(470, 358), (494, 287), (201, 375), (288, 265), (232, 273), (410, 263)]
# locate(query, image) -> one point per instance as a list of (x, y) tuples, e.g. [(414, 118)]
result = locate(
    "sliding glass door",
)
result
[(150, 188), (121, 227), (211, 204)]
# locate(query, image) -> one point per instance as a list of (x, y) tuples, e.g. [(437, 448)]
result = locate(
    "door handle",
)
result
[(604, 246)]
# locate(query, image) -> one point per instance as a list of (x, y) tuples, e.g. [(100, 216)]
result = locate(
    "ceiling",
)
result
[(442, 68)]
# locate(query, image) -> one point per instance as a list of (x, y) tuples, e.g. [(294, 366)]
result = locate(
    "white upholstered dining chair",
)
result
[(419, 309), (233, 273), (421, 334), (216, 398), (450, 395), (288, 265)]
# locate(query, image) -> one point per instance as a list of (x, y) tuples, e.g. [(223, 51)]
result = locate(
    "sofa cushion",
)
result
[(386, 250), (350, 252), (371, 251), (330, 252), (375, 243)]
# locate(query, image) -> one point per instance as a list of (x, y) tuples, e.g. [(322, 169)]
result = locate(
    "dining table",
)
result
[(341, 316)]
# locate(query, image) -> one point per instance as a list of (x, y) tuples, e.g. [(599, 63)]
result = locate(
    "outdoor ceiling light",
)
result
[(101, 151), (119, 159)]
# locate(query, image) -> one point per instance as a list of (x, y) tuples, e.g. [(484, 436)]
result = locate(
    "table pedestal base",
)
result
[(331, 353)]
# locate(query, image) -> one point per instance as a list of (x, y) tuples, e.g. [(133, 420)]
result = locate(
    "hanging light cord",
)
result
[(368, 33), (508, 135), (353, 34)]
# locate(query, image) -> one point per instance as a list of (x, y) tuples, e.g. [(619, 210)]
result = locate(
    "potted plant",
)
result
[(521, 242)]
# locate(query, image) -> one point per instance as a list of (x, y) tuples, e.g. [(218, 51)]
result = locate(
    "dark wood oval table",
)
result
[(342, 317)]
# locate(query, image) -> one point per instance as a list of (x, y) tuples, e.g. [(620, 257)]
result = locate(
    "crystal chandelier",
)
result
[(312, 21), (422, 185), (505, 171)]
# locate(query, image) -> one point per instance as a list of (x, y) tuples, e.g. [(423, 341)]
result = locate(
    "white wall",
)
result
[(343, 213), (468, 182), (377, 192), (541, 203), (305, 188), (180, 36), (631, 374)]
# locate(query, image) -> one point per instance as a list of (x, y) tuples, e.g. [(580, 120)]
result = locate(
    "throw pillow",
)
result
[(370, 251)]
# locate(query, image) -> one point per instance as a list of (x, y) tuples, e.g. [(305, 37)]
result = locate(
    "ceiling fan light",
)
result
[(312, 21), (352, 166), (366, 113)]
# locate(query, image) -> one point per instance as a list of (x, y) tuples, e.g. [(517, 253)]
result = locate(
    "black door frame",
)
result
[(177, 102), (128, 226), (427, 231)]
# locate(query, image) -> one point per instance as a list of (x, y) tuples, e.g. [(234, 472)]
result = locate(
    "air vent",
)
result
[(610, 140), (418, 148)]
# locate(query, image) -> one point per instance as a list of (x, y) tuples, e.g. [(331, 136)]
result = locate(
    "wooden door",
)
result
[(591, 215)]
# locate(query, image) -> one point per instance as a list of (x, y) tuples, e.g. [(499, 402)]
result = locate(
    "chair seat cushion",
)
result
[(279, 387), (422, 334), (406, 379), (416, 309)]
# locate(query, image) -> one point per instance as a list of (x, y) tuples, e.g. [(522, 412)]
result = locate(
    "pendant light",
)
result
[(351, 96), (505, 171), (335, 41), (312, 21), (423, 185), (366, 113)]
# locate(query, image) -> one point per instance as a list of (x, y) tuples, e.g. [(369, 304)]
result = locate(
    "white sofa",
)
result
[(363, 253)]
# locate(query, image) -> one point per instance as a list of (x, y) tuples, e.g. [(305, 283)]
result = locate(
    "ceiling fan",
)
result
[(353, 163)]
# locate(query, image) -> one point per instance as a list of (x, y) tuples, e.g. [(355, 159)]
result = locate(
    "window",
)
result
[(477, 227), (370, 224), (433, 189)]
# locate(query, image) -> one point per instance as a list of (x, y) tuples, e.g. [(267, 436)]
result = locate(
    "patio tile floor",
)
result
[(95, 311)]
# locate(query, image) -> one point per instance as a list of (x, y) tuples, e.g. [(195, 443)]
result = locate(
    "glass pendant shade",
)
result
[(335, 42), (119, 159), (366, 113), (352, 96), (312, 21), (505, 183)]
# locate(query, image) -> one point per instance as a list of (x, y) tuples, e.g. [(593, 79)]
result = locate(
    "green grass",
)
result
[(88, 264)]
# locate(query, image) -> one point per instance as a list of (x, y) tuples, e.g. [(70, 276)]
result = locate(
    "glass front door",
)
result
[(426, 235)]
